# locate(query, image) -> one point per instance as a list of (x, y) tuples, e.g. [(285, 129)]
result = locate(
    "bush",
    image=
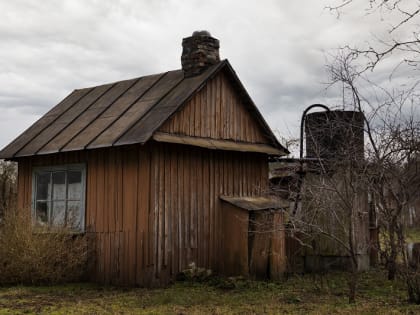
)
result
[(411, 276), (41, 256)]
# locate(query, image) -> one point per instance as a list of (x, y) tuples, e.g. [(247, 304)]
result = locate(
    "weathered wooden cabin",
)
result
[(150, 167)]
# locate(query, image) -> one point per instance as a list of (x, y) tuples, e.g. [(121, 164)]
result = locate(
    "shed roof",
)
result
[(256, 202), (120, 113)]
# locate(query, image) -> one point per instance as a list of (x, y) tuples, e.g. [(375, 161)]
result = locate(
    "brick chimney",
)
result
[(199, 52)]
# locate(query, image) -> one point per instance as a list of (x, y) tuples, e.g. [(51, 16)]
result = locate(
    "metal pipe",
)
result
[(302, 126)]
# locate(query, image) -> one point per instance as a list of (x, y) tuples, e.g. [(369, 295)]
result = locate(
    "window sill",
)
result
[(41, 230)]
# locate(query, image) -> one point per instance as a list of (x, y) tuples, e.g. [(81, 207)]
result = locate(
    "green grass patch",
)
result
[(308, 294), (413, 235)]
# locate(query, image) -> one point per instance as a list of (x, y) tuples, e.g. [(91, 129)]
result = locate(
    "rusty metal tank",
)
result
[(335, 135)]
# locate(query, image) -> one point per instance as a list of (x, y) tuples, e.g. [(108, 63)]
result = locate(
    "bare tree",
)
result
[(402, 36), (333, 218)]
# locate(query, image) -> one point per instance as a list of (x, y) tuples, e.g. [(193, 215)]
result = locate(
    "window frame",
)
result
[(57, 168)]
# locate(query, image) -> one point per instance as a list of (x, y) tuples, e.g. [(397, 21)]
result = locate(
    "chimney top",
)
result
[(200, 51), (201, 33)]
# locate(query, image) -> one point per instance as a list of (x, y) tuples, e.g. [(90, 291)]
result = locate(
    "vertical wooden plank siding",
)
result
[(154, 209), (193, 213), (216, 112)]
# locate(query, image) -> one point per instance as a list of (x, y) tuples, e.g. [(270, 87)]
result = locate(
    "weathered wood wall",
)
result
[(185, 190), (253, 243), (216, 112), (154, 209)]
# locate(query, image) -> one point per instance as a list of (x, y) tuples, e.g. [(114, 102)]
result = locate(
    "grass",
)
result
[(309, 294), (413, 235)]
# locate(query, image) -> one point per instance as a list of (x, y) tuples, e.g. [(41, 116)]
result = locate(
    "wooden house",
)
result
[(150, 168)]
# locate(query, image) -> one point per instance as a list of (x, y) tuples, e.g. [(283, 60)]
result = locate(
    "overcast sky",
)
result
[(277, 47)]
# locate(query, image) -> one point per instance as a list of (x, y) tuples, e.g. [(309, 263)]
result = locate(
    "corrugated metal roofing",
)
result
[(120, 113), (257, 202)]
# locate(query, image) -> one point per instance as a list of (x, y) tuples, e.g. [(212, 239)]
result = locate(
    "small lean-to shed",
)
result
[(140, 165), (253, 236)]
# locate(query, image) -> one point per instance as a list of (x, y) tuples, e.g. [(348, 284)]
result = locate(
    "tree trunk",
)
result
[(352, 287), (392, 259)]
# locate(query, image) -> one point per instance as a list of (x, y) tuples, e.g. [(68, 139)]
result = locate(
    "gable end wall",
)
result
[(218, 112)]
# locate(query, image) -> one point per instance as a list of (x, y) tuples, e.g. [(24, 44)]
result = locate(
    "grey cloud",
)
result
[(278, 48)]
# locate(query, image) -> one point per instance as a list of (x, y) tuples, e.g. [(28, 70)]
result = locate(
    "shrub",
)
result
[(195, 274), (39, 256), (411, 277)]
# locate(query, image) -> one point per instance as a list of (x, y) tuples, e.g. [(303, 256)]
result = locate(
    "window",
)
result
[(59, 196)]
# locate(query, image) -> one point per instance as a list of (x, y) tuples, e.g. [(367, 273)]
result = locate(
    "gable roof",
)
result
[(120, 113)]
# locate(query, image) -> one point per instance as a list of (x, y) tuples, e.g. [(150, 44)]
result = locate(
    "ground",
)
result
[(309, 294)]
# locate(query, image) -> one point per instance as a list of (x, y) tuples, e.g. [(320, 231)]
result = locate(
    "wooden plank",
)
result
[(187, 204), (228, 106), (217, 144), (235, 241), (181, 212), (260, 244), (278, 261), (193, 205), (167, 209), (206, 210), (233, 117), (107, 208), (211, 211), (111, 188), (198, 122), (143, 213), (223, 109), (235, 113), (100, 193), (174, 211), (154, 217), (217, 223), (218, 118), (112, 251), (200, 207), (203, 113), (121, 259), (161, 209), (235, 174), (117, 177), (214, 107), (100, 258), (130, 171), (106, 257)]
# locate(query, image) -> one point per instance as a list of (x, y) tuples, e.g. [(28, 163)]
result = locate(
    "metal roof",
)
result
[(120, 113)]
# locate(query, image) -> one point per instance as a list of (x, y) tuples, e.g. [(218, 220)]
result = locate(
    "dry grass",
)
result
[(41, 256), (298, 295)]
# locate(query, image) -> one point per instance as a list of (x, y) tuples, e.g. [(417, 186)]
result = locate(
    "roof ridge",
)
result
[(134, 78)]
